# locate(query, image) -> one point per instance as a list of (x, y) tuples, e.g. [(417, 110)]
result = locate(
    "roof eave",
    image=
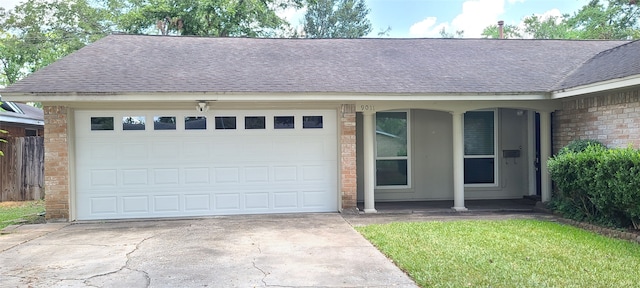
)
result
[(268, 96), (19, 120), (608, 85)]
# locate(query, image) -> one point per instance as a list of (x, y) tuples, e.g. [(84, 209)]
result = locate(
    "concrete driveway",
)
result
[(297, 250)]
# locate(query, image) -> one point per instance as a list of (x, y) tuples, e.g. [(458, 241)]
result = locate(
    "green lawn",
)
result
[(14, 212), (508, 253)]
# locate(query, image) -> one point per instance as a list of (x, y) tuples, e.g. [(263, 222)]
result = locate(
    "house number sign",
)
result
[(365, 107)]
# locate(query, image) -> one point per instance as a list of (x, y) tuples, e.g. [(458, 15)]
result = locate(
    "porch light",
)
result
[(202, 106)]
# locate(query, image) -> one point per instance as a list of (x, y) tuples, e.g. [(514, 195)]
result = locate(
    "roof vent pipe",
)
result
[(501, 29)]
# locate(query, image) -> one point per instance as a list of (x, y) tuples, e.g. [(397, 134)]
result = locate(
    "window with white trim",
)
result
[(392, 147), (480, 147)]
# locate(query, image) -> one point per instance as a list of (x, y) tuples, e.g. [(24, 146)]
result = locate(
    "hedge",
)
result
[(598, 185)]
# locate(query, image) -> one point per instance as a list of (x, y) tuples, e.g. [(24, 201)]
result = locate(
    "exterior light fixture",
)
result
[(202, 106)]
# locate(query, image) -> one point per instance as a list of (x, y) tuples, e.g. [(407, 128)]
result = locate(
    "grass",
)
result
[(20, 212), (506, 253)]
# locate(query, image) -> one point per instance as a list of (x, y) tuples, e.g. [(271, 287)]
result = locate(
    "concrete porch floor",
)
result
[(498, 205)]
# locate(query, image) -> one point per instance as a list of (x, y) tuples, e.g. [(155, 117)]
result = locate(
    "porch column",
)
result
[(368, 129), (545, 153), (458, 162)]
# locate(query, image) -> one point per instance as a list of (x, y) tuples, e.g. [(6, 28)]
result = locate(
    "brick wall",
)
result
[(56, 159), (613, 119), (348, 175)]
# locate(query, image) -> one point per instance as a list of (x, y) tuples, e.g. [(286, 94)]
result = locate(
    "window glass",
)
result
[(30, 132), (391, 172), (311, 122), (283, 122), (478, 133), (225, 122), (101, 123), (391, 134), (254, 122), (392, 161), (195, 123), (479, 147), (164, 123), (479, 171), (133, 123)]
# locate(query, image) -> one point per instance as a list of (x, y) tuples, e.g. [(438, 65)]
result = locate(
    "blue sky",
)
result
[(425, 18)]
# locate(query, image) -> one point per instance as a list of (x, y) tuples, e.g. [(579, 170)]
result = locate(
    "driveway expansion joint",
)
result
[(34, 238)]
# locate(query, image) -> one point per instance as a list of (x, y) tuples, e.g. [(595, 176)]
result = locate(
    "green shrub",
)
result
[(580, 145), (597, 184)]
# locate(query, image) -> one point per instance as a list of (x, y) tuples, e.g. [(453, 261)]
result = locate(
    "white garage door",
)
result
[(140, 164)]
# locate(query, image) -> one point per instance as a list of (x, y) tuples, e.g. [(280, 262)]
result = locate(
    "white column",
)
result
[(458, 162), (368, 126), (545, 153)]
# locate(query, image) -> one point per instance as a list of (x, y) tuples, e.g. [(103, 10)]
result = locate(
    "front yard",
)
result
[(507, 253), (20, 212)]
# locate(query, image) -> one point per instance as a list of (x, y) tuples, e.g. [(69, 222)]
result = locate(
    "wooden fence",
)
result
[(22, 169)]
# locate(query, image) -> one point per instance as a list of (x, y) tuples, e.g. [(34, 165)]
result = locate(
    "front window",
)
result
[(480, 147), (392, 159)]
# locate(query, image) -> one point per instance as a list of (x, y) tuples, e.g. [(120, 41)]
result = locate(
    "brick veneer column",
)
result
[(613, 119), (56, 162), (348, 174)]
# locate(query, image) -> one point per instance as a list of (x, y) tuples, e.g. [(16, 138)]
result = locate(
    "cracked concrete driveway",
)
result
[(296, 250)]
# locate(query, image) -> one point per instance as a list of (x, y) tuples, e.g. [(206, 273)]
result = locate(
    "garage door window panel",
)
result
[(311, 122), (195, 123), (283, 122), (392, 147), (101, 123), (254, 122), (133, 123), (225, 123), (164, 123)]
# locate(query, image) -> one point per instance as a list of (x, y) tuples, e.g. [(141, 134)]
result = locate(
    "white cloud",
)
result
[(9, 4), (428, 28), (515, 1), (475, 16)]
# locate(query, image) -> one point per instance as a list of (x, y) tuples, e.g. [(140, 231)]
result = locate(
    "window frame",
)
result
[(495, 150), (407, 157)]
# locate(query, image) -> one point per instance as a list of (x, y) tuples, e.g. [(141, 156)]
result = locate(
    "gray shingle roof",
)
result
[(131, 64), (618, 62)]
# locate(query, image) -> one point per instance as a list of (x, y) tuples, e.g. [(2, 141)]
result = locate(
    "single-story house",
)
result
[(160, 126), (20, 120)]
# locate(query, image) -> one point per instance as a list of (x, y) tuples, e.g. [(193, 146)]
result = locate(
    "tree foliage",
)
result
[(336, 19), (444, 34), (598, 19), (508, 32), (38, 32), (220, 18)]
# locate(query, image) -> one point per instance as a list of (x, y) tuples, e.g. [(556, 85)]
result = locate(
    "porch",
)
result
[(525, 204)]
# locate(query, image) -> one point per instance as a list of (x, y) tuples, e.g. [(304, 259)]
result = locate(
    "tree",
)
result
[(38, 32), (552, 27), (618, 19), (220, 18), (444, 34), (336, 19), (599, 19), (509, 31)]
